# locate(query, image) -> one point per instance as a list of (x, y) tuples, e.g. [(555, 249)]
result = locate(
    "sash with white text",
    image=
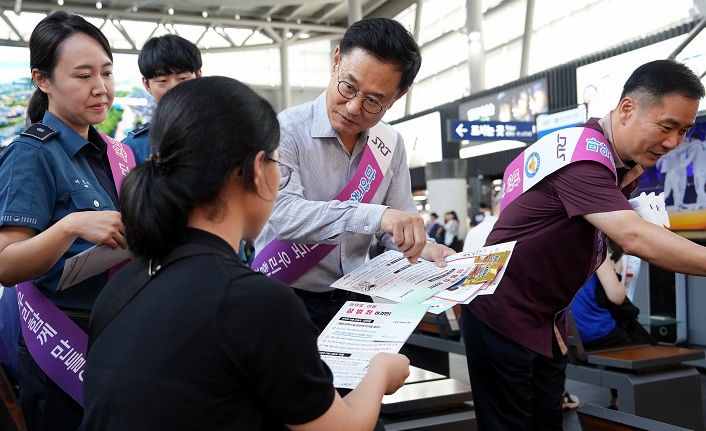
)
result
[(55, 342), (288, 261), (551, 153)]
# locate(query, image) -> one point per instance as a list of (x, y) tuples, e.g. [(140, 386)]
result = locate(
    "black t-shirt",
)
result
[(207, 345)]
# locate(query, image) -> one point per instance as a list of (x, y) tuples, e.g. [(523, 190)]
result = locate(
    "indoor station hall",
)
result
[(354, 215)]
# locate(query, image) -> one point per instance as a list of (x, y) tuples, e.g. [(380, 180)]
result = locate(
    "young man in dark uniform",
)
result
[(515, 338), (164, 62)]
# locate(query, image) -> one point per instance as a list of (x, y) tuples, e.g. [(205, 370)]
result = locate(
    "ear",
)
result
[(146, 84), (41, 80), (336, 59), (399, 96), (627, 108), (259, 172), (198, 73)]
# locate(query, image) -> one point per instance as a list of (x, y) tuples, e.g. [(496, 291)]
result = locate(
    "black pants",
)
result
[(514, 388), (45, 406)]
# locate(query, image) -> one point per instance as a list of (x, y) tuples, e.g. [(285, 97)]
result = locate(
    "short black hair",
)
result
[(658, 78), (202, 131), (389, 42), (435, 215), (167, 55)]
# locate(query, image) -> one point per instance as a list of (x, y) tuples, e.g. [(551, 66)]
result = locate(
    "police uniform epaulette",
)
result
[(140, 130), (39, 131)]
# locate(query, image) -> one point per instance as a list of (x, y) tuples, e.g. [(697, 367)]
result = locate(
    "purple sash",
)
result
[(55, 342), (287, 261), (551, 153)]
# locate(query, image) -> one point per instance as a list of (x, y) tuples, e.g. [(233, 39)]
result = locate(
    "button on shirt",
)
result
[(305, 212), (42, 182)]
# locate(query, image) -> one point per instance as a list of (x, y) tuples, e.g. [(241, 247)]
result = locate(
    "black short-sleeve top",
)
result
[(208, 344)]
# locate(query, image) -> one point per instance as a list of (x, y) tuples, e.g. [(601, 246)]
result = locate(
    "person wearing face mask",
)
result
[(59, 185), (186, 337), (164, 62), (562, 197), (350, 178)]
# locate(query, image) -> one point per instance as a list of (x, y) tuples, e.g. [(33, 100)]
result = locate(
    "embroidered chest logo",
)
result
[(81, 182)]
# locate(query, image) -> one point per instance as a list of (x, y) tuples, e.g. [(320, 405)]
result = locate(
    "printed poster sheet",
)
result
[(469, 274), (391, 276), (359, 331), (488, 267)]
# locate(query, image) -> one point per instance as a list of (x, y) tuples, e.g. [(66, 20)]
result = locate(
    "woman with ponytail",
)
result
[(57, 199), (186, 337)]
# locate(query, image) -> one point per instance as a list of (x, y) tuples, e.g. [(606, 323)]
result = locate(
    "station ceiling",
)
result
[(241, 24)]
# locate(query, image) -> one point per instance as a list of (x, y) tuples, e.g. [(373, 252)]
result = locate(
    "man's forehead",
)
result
[(675, 109)]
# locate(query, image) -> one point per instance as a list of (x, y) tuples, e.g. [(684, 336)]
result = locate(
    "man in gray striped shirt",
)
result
[(323, 142)]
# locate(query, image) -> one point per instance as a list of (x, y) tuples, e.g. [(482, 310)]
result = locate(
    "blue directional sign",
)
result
[(492, 131)]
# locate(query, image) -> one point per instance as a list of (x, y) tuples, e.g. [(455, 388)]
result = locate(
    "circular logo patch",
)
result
[(532, 165)]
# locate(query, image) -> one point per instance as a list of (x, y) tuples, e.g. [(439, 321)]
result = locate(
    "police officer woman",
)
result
[(57, 196), (207, 343)]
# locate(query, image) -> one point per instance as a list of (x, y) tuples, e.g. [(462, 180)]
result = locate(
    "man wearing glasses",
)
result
[(323, 142)]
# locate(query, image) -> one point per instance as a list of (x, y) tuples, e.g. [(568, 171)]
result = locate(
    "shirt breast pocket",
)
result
[(89, 200)]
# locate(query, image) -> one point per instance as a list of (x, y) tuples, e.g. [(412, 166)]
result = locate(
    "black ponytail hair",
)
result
[(202, 130), (45, 46)]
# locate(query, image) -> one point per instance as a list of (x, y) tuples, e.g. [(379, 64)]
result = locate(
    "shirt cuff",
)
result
[(366, 219), (17, 219)]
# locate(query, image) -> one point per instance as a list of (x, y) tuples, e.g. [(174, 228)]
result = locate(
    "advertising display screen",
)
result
[(600, 84), (422, 138), (520, 104), (681, 175), (548, 123)]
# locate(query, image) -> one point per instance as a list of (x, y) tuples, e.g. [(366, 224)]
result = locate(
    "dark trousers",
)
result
[(45, 406), (322, 306), (514, 388)]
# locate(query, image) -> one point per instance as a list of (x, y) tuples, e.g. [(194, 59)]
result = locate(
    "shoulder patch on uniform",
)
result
[(39, 131), (140, 130)]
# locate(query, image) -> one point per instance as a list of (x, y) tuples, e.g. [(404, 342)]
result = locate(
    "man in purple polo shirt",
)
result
[(515, 338)]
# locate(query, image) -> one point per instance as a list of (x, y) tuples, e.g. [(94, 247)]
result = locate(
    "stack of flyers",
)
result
[(651, 207), (485, 268)]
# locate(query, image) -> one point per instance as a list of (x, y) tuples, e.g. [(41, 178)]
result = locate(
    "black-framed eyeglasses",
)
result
[(348, 90), (285, 172)]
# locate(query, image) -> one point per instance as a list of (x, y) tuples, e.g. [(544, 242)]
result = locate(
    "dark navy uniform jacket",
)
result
[(139, 142), (46, 173)]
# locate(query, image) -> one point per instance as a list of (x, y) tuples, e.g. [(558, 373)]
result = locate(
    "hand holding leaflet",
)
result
[(93, 261), (359, 331), (390, 276)]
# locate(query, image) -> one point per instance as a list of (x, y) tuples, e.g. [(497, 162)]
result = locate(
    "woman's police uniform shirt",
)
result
[(139, 142), (46, 173)]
